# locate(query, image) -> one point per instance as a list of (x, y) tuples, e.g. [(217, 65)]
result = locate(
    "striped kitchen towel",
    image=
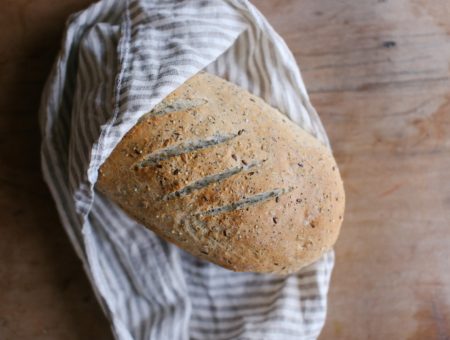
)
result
[(118, 59)]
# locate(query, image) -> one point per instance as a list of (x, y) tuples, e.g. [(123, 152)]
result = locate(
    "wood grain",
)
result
[(377, 72), (44, 293)]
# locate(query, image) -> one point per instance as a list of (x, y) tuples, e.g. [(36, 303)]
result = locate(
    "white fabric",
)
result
[(118, 59)]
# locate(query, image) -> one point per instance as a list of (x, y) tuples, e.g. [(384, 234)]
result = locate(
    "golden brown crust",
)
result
[(229, 179)]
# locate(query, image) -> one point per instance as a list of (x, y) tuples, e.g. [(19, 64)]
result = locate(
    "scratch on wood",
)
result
[(438, 319), (381, 85), (391, 190)]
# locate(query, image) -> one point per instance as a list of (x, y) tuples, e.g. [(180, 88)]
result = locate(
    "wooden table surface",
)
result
[(377, 72)]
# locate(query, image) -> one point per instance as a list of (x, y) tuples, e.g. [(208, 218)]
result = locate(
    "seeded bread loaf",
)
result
[(220, 173)]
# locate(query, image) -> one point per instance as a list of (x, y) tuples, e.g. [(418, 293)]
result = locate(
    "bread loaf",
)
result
[(220, 173)]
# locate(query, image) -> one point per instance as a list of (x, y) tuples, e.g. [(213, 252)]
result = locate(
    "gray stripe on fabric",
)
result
[(153, 331), (196, 266), (140, 99), (178, 24), (240, 278), (110, 41), (182, 315), (111, 269), (190, 17), (242, 56), (102, 92), (246, 40), (216, 34), (265, 288), (251, 333), (181, 7), (103, 78), (146, 66), (257, 64), (80, 144), (127, 278), (267, 86), (167, 283), (142, 81), (116, 259), (119, 239), (236, 73), (80, 141), (268, 326), (60, 195), (146, 62), (196, 47), (258, 313), (231, 306)]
